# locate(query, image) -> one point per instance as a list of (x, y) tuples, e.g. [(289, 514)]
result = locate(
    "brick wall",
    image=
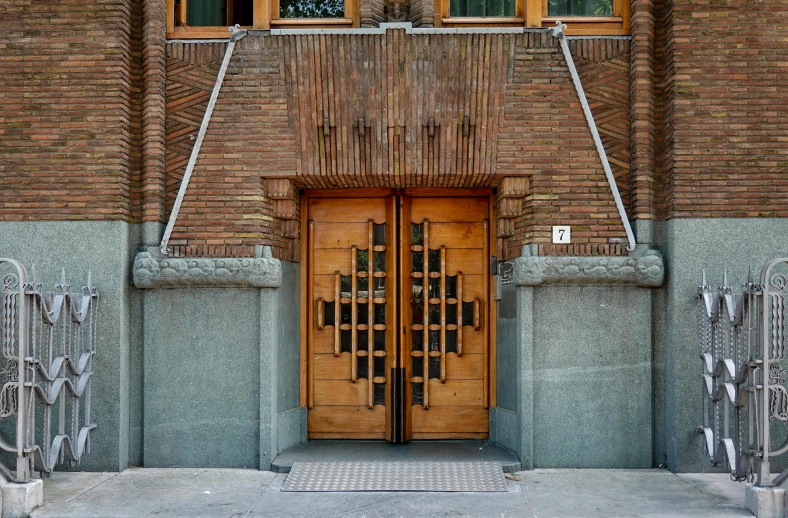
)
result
[(501, 105), (544, 134), (70, 109), (251, 135), (724, 83)]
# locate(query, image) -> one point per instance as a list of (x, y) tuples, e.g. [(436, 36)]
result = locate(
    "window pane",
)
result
[(312, 8), (477, 8), (206, 13), (218, 13), (580, 7)]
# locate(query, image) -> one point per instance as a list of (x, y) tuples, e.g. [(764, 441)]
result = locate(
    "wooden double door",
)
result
[(397, 321)]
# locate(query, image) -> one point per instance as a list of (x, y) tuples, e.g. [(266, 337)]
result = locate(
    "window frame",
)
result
[(265, 16), (533, 13)]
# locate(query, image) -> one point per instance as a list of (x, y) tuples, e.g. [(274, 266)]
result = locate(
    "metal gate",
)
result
[(743, 354), (46, 365)]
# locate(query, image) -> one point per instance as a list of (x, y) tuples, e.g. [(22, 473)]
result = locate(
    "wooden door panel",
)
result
[(330, 367), (466, 260), (449, 210), (344, 210), (338, 419), (465, 367), (447, 396), (350, 351), (450, 419), (345, 398), (456, 392), (340, 235), (331, 260), (333, 392), (456, 235)]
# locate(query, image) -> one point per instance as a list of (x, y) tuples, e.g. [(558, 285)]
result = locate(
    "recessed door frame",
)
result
[(307, 311)]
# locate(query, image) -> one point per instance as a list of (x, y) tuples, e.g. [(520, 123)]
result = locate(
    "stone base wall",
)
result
[(106, 249), (222, 360), (574, 376)]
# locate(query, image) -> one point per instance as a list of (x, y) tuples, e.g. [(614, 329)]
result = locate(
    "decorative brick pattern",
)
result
[(191, 73), (643, 109), (465, 113), (212, 251), (544, 134), (371, 13), (395, 110), (153, 111), (70, 103), (250, 136), (422, 13), (603, 66)]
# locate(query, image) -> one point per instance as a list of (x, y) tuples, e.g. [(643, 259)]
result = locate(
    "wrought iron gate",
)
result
[(47, 348), (743, 354)]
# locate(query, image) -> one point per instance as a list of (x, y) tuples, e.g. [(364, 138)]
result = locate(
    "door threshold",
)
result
[(382, 451)]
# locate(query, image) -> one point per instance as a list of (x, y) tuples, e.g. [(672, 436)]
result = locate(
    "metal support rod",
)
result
[(236, 35), (558, 32)]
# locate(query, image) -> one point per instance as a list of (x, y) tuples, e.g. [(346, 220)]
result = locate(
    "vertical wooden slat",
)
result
[(503, 52), (425, 297), (261, 14), (439, 89), (370, 313), (459, 313), (443, 314), (393, 322), (353, 314), (486, 318), (170, 6), (307, 294), (406, 308), (337, 312), (478, 108), (493, 337), (455, 119)]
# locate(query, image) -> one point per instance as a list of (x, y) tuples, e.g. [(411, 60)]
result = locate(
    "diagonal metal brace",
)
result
[(236, 35), (558, 32)]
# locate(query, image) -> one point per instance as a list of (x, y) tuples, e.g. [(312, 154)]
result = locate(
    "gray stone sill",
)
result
[(642, 268), (152, 270)]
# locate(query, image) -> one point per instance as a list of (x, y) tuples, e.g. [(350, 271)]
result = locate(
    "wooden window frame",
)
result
[(533, 13), (265, 16)]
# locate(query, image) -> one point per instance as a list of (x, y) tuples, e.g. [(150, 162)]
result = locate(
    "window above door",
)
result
[(191, 19), (583, 17)]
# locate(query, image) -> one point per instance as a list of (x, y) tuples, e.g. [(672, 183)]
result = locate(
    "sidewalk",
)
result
[(239, 493)]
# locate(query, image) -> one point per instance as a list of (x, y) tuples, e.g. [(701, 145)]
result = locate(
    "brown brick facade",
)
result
[(692, 113), (70, 110), (466, 112), (723, 76)]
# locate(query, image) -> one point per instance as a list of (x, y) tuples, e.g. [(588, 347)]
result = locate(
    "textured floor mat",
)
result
[(395, 476)]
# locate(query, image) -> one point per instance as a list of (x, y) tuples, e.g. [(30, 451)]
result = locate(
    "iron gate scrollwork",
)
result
[(744, 373), (46, 367)]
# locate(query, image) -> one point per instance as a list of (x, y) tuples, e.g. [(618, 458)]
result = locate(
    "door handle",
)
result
[(321, 306), (476, 313)]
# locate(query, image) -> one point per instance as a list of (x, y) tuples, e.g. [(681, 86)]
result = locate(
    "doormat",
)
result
[(396, 476)]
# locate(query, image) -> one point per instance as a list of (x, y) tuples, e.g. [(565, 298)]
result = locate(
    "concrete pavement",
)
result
[(234, 493)]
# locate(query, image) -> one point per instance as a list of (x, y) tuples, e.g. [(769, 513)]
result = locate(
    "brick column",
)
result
[(153, 110), (642, 109)]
